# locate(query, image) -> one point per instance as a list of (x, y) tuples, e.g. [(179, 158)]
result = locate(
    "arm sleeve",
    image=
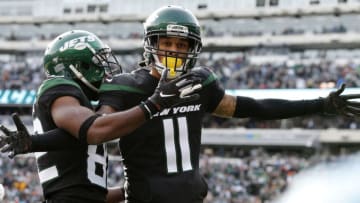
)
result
[(267, 109), (57, 139)]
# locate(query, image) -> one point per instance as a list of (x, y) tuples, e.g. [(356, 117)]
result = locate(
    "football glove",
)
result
[(181, 89), (15, 142), (339, 104)]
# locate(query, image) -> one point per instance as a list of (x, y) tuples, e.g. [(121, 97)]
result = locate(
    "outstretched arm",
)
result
[(242, 107), (20, 141), (89, 128)]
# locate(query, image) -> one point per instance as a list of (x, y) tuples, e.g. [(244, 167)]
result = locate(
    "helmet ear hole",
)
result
[(85, 65)]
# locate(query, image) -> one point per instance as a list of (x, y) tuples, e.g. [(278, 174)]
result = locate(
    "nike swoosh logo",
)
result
[(166, 95)]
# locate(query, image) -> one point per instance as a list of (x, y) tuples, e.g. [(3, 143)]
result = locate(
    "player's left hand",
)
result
[(15, 142), (336, 103)]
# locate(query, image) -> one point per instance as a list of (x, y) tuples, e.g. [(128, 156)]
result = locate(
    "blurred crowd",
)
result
[(20, 180), (256, 70), (235, 71), (249, 176), (243, 70), (258, 175), (234, 175), (25, 73), (337, 28)]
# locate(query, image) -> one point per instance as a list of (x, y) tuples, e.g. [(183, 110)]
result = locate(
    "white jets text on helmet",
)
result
[(73, 43)]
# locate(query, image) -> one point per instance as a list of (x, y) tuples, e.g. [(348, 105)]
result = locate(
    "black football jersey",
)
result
[(168, 145), (76, 174)]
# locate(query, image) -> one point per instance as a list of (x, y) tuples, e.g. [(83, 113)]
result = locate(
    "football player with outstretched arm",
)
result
[(76, 63), (161, 157)]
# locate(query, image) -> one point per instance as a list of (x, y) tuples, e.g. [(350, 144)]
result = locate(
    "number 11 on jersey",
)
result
[(170, 144)]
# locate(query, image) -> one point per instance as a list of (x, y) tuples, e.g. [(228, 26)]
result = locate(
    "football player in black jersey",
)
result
[(76, 63), (161, 157)]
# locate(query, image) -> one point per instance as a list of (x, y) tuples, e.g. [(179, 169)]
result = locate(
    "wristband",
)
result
[(85, 127), (149, 109)]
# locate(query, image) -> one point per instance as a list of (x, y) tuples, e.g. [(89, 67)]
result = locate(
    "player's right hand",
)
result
[(15, 142), (182, 89)]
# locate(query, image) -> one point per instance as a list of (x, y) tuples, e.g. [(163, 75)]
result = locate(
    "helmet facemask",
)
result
[(177, 62), (103, 65), (106, 60)]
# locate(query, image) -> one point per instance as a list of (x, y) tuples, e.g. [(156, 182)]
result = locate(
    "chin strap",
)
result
[(81, 77)]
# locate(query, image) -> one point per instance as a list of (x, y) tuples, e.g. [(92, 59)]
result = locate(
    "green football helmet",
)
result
[(81, 56), (172, 21)]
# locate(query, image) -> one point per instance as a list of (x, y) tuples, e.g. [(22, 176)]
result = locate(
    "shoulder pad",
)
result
[(123, 82), (205, 73), (123, 78), (55, 81), (145, 70)]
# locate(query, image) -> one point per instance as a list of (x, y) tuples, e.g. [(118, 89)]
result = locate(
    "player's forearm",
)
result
[(115, 125), (53, 140), (276, 108), (115, 195)]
